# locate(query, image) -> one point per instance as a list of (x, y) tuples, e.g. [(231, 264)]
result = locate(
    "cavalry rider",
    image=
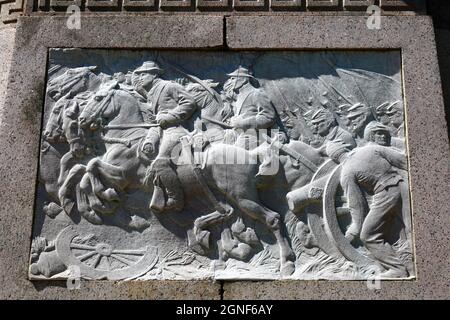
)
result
[(326, 126), (173, 107), (373, 168), (252, 108)]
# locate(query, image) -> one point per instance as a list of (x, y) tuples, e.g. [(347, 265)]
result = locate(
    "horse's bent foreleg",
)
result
[(74, 174), (272, 220), (64, 164), (113, 174), (94, 202), (83, 207)]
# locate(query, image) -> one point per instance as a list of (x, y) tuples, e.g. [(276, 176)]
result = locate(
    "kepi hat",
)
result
[(356, 110)]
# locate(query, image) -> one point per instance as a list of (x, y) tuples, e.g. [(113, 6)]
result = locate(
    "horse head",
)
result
[(72, 81), (98, 106), (53, 128), (70, 128)]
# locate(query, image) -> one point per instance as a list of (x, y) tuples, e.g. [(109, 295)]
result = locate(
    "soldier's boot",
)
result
[(169, 179)]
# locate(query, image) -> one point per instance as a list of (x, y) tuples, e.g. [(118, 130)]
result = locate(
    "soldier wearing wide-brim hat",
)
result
[(252, 107), (149, 67), (173, 107), (240, 72)]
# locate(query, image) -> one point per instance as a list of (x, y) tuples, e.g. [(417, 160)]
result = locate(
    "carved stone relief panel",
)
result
[(223, 165)]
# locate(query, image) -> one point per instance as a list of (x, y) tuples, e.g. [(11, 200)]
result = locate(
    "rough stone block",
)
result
[(427, 142)]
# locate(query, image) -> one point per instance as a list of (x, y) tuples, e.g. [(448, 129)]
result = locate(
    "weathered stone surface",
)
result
[(19, 134), (427, 143), (7, 36), (112, 119)]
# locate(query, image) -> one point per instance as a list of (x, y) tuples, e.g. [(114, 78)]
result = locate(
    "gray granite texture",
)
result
[(7, 35), (427, 142), (19, 134)]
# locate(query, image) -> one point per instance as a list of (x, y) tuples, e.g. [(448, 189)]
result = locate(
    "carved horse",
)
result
[(60, 138), (267, 199), (119, 168)]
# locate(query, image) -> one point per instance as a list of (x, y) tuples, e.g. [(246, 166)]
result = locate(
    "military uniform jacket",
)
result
[(255, 107), (171, 98)]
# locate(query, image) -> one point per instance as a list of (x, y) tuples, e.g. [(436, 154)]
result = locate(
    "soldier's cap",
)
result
[(240, 72), (149, 66), (375, 126), (381, 108), (393, 108), (356, 110), (320, 115)]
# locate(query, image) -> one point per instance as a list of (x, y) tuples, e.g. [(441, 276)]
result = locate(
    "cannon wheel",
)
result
[(315, 221), (332, 227), (135, 262)]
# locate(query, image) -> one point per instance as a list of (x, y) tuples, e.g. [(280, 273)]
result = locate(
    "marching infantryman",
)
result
[(395, 114), (374, 169), (359, 115), (172, 106), (325, 124)]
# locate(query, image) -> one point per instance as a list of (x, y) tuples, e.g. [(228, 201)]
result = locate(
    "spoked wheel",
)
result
[(100, 260), (334, 206)]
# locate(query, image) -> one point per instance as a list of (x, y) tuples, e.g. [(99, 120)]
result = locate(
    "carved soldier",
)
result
[(252, 108), (373, 168), (325, 124), (173, 107), (359, 115)]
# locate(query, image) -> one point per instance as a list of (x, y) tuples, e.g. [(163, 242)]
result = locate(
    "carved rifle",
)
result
[(298, 121), (291, 152)]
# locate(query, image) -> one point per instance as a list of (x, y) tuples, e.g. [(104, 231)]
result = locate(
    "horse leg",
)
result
[(272, 220), (97, 168), (83, 203), (75, 173), (64, 164), (94, 203)]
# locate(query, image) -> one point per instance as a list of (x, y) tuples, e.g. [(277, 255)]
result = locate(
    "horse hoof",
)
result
[(110, 195), (287, 269), (93, 218), (52, 210)]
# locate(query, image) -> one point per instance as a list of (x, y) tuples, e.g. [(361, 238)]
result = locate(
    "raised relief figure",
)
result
[(373, 168), (151, 169), (173, 107)]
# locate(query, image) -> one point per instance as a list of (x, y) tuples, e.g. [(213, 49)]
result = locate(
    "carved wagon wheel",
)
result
[(315, 221), (330, 217), (101, 260)]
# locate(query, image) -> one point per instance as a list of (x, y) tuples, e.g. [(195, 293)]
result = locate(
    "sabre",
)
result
[(129, 126)]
